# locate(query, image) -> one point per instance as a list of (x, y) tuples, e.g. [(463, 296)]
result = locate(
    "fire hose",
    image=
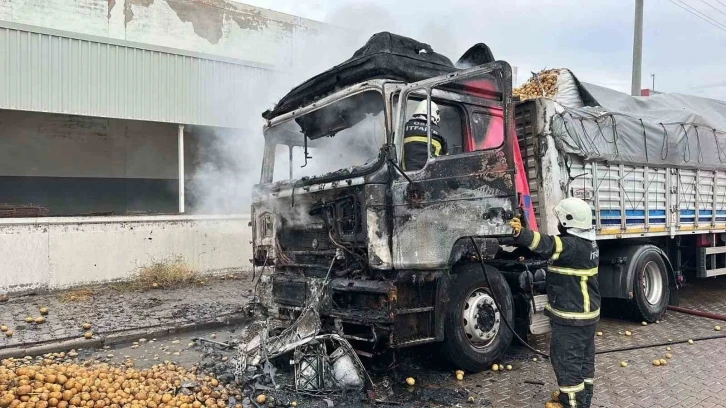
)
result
[(496, 302), (699, 313), (673, 308)]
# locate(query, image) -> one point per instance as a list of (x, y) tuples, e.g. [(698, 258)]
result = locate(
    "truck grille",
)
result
[(299, 239)]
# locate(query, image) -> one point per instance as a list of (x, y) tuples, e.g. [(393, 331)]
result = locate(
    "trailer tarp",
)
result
[(659, 130)]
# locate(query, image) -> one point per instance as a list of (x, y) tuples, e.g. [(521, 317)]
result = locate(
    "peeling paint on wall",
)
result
[(129, 11), (250, 21), (217, 27), (206, 24), (111, 4)]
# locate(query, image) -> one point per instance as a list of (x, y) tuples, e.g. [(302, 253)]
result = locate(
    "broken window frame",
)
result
[(269, 156), (502, 71)]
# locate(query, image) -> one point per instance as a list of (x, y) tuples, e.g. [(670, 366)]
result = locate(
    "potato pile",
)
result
[(543, 83), (50, 384)]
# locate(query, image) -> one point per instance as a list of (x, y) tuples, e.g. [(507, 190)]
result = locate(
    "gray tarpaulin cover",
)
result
[(663, 129)]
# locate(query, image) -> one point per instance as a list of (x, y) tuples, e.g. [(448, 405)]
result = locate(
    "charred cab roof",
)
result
[(384, 56)]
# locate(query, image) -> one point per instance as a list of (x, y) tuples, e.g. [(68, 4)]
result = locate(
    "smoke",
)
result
[(227, 163)]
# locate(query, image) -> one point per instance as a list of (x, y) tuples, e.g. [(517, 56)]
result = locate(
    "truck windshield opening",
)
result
[(340, 136)]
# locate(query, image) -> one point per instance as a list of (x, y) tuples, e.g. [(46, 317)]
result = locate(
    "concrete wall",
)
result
[(63, 252), (217, 27)]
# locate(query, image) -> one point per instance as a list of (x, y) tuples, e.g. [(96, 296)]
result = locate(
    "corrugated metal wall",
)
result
[(51, 73)]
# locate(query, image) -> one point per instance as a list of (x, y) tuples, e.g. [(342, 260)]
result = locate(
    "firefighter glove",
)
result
[(516, 225)]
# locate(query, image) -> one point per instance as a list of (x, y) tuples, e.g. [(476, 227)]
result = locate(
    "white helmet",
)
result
[(422, 111), (576, 216)]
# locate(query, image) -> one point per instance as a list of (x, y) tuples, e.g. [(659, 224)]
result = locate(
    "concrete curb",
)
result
[(116, 338)]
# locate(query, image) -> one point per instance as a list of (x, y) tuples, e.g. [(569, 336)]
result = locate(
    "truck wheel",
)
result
[(650, 287), (475, 335)]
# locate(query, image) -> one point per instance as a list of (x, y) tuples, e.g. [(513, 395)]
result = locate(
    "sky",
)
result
[(593, 38)]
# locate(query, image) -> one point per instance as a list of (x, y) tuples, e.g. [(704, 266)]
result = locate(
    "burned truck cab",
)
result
[(387, 254)]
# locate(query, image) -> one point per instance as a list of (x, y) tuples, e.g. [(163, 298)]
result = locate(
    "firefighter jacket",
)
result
[(415, 140), (573, 294)]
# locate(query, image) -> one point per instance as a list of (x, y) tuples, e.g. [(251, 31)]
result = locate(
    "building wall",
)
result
[(216, 27), (56, 253), (76, 165)]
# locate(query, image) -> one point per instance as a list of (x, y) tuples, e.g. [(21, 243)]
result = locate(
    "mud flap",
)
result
[(538, 322)]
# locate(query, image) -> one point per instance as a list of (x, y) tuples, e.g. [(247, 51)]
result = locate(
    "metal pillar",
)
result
[(180, 152), (637, 48)]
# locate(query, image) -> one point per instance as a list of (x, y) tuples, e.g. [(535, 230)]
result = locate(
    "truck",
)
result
[(394, 258)]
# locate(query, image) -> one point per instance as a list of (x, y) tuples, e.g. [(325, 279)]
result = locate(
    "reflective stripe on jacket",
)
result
[(415, 141), (572, 286)]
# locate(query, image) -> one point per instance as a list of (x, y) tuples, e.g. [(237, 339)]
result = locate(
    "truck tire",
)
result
[(475, 335), (651, 291)]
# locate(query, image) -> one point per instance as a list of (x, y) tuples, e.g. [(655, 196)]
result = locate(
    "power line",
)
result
[(719, 2), (702, 14), (713, 7), (717, 25)]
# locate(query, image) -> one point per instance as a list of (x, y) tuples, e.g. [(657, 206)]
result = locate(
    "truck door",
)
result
[(467, 191)]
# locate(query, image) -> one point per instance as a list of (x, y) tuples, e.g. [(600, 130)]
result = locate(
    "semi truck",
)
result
[(394, 258)]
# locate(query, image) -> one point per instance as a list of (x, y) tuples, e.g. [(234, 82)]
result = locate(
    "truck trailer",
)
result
[(394, 258)]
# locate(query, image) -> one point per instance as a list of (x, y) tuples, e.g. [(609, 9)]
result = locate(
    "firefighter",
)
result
[(573, 298), (415, 137)]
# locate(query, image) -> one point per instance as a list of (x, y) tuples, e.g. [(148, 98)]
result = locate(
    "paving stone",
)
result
[(108, 312)]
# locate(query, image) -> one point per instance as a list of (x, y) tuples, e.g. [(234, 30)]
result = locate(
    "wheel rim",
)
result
[(652, 283), (480, 318)]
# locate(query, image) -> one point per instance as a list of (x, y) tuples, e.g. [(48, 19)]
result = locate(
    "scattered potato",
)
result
[(409, 381), (49, 384)]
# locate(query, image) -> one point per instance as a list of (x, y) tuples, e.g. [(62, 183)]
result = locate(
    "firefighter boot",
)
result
[(555, 396), (588, 395)]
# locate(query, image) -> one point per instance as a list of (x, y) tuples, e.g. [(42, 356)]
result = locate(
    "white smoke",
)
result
[(227, 163)]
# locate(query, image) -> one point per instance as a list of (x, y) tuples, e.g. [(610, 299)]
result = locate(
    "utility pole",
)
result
[(637, 48), (652, 76)]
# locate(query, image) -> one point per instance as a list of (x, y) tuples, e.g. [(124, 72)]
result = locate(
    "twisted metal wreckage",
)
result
[(323, 363)]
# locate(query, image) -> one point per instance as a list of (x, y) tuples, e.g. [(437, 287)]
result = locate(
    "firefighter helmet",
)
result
[(575, 215), (422, 111)]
